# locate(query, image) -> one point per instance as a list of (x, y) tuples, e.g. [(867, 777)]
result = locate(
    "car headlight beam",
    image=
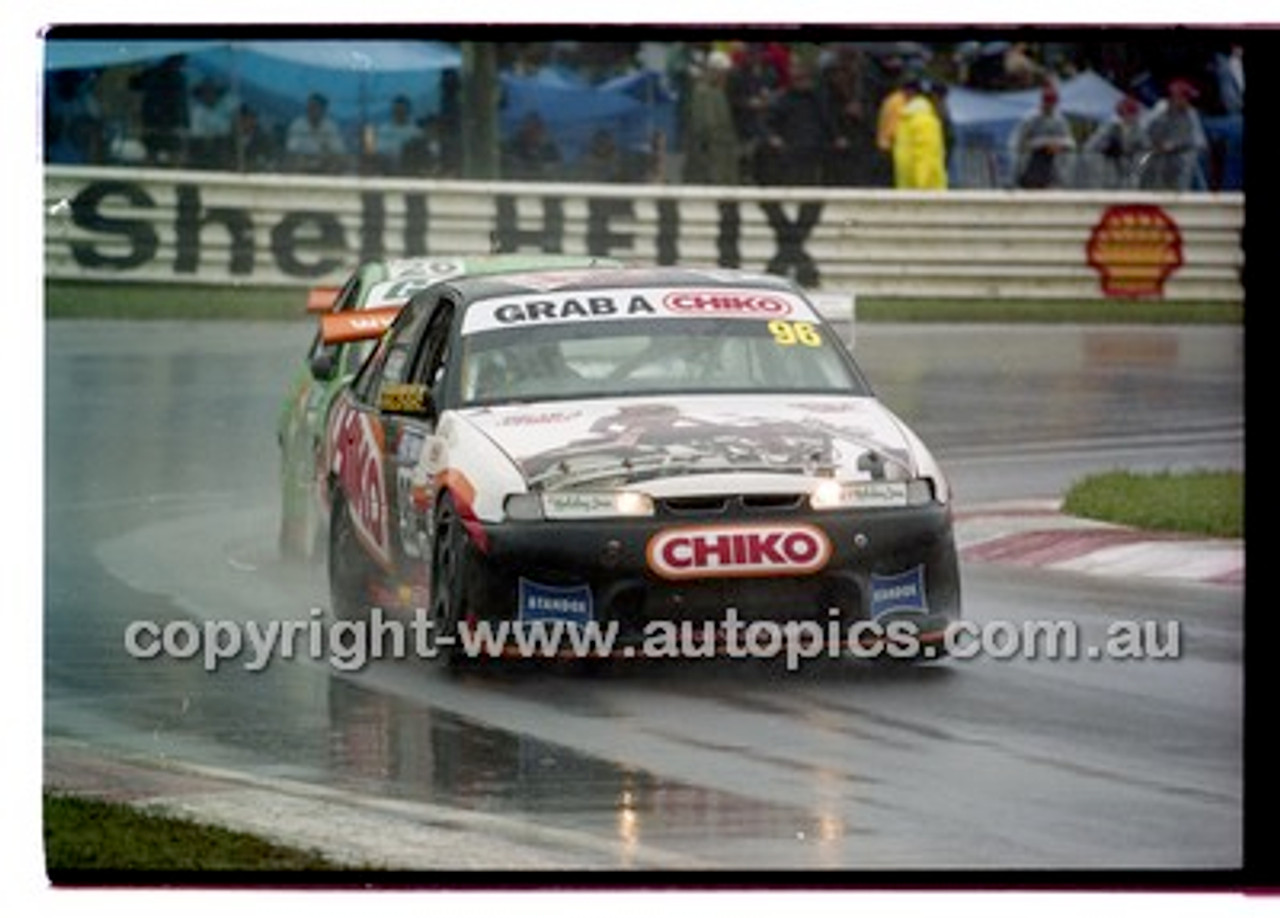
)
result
[(840, 495), (578, 505), (523, 507)]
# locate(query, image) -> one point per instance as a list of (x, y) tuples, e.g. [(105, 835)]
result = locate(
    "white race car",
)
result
[(628, 446)]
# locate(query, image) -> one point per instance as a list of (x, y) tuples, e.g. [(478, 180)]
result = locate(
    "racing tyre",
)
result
[(348, 569), (448, 577)]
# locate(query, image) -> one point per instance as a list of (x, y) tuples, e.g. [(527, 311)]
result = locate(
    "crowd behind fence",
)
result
[(980, 167), (766, 113)]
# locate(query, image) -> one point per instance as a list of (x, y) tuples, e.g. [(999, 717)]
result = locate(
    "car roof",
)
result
[(409, 276), (497, 263)]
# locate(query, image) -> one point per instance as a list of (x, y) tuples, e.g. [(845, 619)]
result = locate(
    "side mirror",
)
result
[(324, 366), (410, 399)]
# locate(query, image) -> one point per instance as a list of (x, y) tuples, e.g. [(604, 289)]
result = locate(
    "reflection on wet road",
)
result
[(161, 505)]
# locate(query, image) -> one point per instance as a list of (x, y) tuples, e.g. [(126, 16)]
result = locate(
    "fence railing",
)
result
[(166, 226)]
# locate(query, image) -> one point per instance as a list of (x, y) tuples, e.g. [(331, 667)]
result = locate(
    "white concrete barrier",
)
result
[(166, 226)]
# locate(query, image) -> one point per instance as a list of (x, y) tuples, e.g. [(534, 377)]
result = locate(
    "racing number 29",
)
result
[(790, 333)]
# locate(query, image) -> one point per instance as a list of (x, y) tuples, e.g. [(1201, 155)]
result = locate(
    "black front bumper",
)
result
[(603, 563)]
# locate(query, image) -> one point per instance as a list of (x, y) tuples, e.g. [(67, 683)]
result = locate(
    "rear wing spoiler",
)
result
[(321, 299), (356, 324)]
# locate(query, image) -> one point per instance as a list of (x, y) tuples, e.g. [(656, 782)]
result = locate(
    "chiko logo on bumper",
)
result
[(726, 302), (738, 551)]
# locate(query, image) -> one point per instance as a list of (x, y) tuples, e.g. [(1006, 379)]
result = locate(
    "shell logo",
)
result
[(1135, 248)]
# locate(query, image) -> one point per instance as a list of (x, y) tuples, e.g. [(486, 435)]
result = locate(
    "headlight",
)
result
[(578, 505), (523, 507), (837, 495), (586, 505)]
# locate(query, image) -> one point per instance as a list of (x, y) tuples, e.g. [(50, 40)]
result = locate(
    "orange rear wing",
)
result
[(356, 324), (321, 299)]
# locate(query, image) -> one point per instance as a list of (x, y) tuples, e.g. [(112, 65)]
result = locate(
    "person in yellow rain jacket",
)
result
[(919, 157)]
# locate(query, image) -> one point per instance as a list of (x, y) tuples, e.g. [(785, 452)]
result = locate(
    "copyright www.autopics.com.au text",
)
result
[(350, 645)]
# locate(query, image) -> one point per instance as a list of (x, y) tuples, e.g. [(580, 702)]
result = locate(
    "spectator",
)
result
[(601, 161), (938, 93), (1116, 149), (385, 149), (313, 142), (711, 145), (919, 159), (424, 153), (256, 148), (1039, 142), (1229, 69), (651, 165), (851, 158), (531, 154), (1020, 70), (987, 67), (798, 131), (163, 110), (212, 113), (753, 83), (451, 123), (1177, 140), (684, 62), (887, 118), (777, 57), (73, 129)]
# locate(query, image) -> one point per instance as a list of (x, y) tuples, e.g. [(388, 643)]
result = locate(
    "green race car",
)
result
[(369, 299)]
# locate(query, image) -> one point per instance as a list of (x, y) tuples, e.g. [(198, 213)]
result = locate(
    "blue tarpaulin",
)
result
[(89, 54), (1085, 95), (359, 78), (631, 107)]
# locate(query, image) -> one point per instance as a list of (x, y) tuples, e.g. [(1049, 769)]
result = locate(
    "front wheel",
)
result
[(448, 578), (348, 568)]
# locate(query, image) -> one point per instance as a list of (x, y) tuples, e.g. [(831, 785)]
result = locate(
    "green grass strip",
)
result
[(1207, 503), (82, 299), (82, 834)]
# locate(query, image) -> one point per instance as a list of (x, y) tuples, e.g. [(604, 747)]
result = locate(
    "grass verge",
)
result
[(1092, 312), (1208, 503), (92, 835), (81, 299)]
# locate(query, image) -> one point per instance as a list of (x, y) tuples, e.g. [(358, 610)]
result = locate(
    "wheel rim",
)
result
[(444, 612)]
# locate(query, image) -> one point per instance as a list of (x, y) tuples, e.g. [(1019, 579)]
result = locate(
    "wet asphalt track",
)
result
[(161, 504)]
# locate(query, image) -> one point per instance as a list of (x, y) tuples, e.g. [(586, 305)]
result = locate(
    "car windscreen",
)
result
[(530, 361)]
